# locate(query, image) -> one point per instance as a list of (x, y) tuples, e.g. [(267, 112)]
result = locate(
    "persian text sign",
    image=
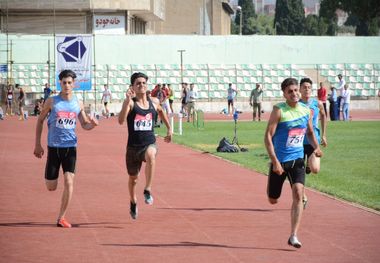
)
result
[(109, 24)]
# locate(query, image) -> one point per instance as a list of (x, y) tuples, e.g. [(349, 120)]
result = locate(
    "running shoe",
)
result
[(62, 222), (293, 241), (133, 211), (304, 201), (148, 197)]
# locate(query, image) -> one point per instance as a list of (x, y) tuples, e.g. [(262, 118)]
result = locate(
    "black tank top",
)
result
[(140, 125)]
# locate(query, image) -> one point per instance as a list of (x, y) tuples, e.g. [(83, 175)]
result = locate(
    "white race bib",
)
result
[(295, 138), (66, 120), (143, 123)]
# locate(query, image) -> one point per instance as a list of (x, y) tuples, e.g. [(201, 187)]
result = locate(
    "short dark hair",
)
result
[(306, 80), (137, 75), (67, 73), (287, 82)]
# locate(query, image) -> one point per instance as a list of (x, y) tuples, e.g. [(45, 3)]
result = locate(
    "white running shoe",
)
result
[(293, 241)]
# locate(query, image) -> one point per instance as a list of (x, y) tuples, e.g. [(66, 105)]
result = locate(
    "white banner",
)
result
[(109, 24), (74, 52)]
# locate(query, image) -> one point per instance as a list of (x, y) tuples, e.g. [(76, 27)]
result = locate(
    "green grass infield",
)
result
[(350, 166)]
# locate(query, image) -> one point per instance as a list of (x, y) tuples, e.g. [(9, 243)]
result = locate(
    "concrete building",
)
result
[(204, 17)]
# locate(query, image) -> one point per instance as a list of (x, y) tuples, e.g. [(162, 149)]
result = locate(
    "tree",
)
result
[(311, 25), (248, 10), (327, 16), (290, 17), (365, 14), (261, 25)]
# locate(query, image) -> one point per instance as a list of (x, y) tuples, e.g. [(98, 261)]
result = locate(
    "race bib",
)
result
[(10, 96), (295, 138), (66, 120), (143, 123)]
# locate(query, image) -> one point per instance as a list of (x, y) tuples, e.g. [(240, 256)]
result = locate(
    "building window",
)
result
[(137, 26)]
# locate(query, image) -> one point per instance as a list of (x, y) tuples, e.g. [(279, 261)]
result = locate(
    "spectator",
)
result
[(47, 91), (333, 104), (21, 103), (231, 94), (322, 95), (184, 98), (346, 98), (255, 101), (106, 98), (340, 89), (10, 96), (171, 97), (192, 95)]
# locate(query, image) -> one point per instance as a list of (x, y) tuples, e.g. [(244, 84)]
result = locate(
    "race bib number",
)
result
[(143, 123), (66, 120), (295, 138)]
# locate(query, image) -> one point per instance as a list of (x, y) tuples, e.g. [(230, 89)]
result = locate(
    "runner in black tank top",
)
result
[(140, 125), (139, 110)]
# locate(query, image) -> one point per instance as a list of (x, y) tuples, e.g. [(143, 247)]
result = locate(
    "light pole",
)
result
[(238, 8), (181, 52)]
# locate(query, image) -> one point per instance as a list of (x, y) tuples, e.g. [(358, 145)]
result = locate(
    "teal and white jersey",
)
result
[(62, 122), (290, 132), (313, 105)]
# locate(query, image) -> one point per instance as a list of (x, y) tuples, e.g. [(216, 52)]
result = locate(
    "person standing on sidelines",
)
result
[(139, 111), (255, 101), (106, 98), (317, 112), (10, 96), (21, 103), (340, 88), (288, 124), (64, 109), (346, 96), (322, 96), (192, 96), (231, 94), (47, 91)]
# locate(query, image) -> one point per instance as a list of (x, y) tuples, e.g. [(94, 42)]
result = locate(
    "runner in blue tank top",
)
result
[(140, 110), (288, 124), (317, 112), (64, 111)]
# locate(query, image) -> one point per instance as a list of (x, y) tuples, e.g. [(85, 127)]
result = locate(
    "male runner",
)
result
[(64, 109), (139, 111), (287, 126), (317, 112)]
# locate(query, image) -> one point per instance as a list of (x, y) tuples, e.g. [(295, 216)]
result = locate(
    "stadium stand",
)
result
[(211, 80)]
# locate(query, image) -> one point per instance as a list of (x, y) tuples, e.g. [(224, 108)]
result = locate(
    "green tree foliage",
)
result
[(248, 10), (311, 25), (261, 25), (290, 17), (364, 14)]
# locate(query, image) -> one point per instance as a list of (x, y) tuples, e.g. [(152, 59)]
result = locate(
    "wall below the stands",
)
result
[(163, 49)]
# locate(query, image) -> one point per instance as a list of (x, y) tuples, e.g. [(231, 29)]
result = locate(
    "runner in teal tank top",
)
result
[(317, 112), (288, 125), (63, 111)]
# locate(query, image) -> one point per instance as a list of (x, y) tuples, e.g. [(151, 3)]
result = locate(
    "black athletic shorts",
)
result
[(308, 150), (60, 156), (134, 158), (294, 171), (230, 102)]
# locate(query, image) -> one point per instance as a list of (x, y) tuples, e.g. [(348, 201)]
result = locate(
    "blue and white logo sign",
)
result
[(74, 52)]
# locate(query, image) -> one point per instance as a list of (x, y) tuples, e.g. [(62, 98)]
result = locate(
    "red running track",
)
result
[(205, 210)]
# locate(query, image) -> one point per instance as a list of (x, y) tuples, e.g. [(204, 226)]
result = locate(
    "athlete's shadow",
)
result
[(199, 209), (78, 225), (196, 244)]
